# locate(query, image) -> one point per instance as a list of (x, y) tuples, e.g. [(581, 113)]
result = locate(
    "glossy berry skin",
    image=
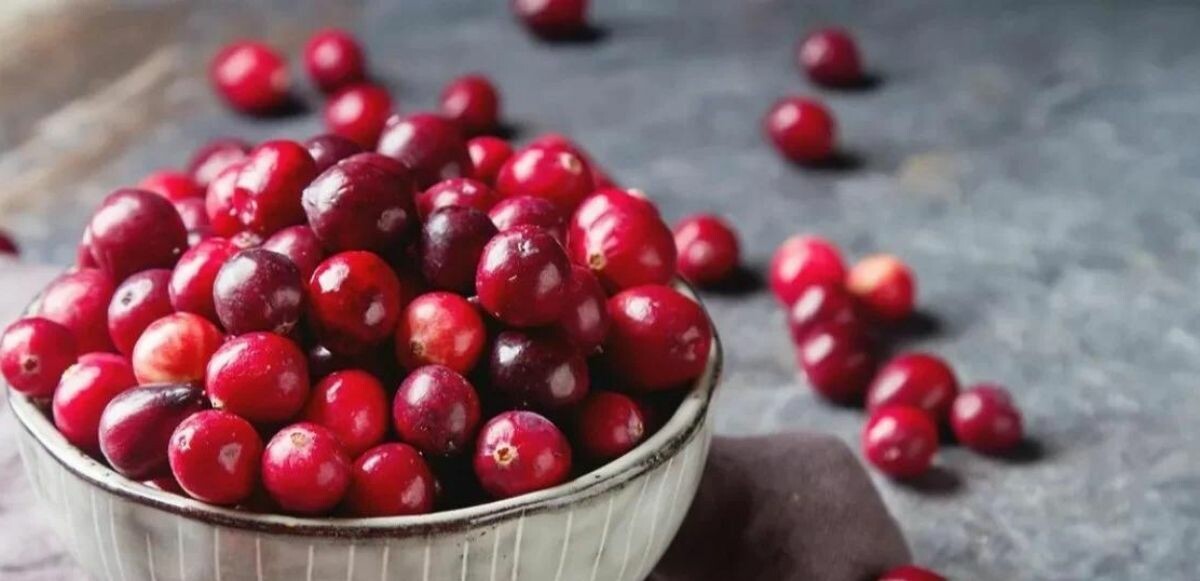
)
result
[(354, 301), (175, 349), (604, 201), (585, 321), (802, 261), (707, 249), (917, 380), (456, 192), (556, 174), (428, 145), (34, 353), (473, 102), (136, 427), (142, 299), (218, 201), (172, 185), (659, 339), (364, 202), (214, 456), (510, 213), (334, 59), (436, 411), (135, 230), (305, 469), (191, 285), (267, 190), (823, 304), (600, 179), (262, 377), (215, 157), (885, 286), (359, 113), (83, 393), (258, 290), (609, 424), (194, 214), (519, 452), (83, 251), (452, 241), (830, 57), (802, 130), (488, 155), (625, 248), (391, 480), (900, 441), (300, 245), (837, 361), (985, 419), (440, 328), (353, 405), (329, 149), (537, 369), (251, 77), (79, 301), (552, 19), (522, 277)]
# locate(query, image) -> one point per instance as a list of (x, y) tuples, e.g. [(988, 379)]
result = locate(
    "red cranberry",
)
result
[(305, 469), (246, 240), (142, 299), (365, 202), (911, 573), (530, 211), (215, 157), (823, 304), (885, 286), (334, 59), (175, 349), (7, 245), (519, 452), (918, 380), (353, 405), (707, 249), (473, 102), (555, 174), (191, 284), (436, 410), (391, 480), (522, 277), (802, 130), (194, 214), (329, 149), (300, 245), (900, 441), (452, 241), (802, 261), (985, 419), (359, 113), (268, 187), (659, 338), (585, 320), (600, 179), (830, 57), (34, 352), (218, 201), (259, 376), (537, 369), (79, 301), (172, 185), (456, 192), (605, 201), (251, 77), (135, 230), (610, 424), (377, 360), (83, 393), (837, 361), (488, 155), (625, 248), (83, 252), (355, 301), (214, 456), (553, 19), (258, 290), (429, 145), (136, 427), (440, 328)]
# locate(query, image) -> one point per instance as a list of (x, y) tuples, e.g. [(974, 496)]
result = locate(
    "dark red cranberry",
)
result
[(172, 185), (334, 59), (329, 149), (838, 362), (605, 201), (707, 249), (830, 57), (267, 191), (34, 352), (537, 369), (553, 19), (7, 245), (259, 376), (456, 192), (251, 77), (258, 290), (83, 393), (209, 161), (300, 245), (659, 338), (440, 328), (900, 441), (365, 202), (175, 349), (473, 102), (305, 469), (79, 301), (918, 380), (585, 320), (530, 211), (911, 573), (218, 201), (215, 456), (522, 277), (429, 145), (519, 452), (885, 286), (142, 299), (436, 410), (823, 304), (625, 248), (355, 301), (488, 155), (452, 241), (391, 480), (193, 213), (136, 427), (609, 425), (985, 419), (555, 174), (802, 261), (191, 284), (359, 113), (353, 405), (802, 130), (135, 230)]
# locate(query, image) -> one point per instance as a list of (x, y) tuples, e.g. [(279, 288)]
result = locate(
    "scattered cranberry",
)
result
[(79, 301), (218, 201), (300, 245), (251, 77), (142, 299), (830, 57), (259, 376), (918, 380), (191, 284), (305, 469), (519, 452), (522, 277), (452, 241), (135, 230), (175, 349), (440, 328), (707, 249), (911, 573), (364, 202), (391, 480), (136, 427), (537, 369), (258, 290), (456, 192), (172, 185), (436, 410), (610, 424), (900, 441), (556, 174), (625, 248), (488, 155), (214, 456), (334, 59), (353, 405), (194, 214), (215, 157), (801, 129), (823, 304), (802, 261), (473, 102), (355, 301), (552, 19), (429, 145), (659, 338), (530, 211), (885, 286), (7, 245), (84, 391), (985, 419), (34, 352), (837, 360), (267, 190), (585, 320), (359, 113), (329, 149)]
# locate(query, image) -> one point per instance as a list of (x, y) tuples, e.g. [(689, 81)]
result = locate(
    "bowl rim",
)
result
[(664, 444)]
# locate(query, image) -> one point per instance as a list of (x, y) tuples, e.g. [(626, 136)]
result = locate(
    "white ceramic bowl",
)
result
[(611, 524)]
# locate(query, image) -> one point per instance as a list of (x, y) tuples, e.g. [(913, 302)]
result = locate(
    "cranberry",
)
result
[(488, 155), (215, 157), (436, 410), (191, 284), (165, 484), (537, 369), (985, 419), (823, 304), (707, 249), (172, 185), (429, 145), (625, 248), (919, 380), (258, 290), (556, 174), (305, 469), (911, 573), (135, 230), (136, 427), (440, 328), (452, 240), (884, 285), (456, 192), (259, 376), (610, 424), (194, 214), (522, 277), (300, 245), (267, 191), (837, 360), (251, 77), (830, 57), (83, 252), (84, 391), (355, 301), (7, 245), (391, 480), (900, 441), (802, 130), (353, 405), (246, 240), (605, 201), (553, 19), (585, 320), (802, 261), (79, 301), (329, 149), (214, 456), (175, 349), (334, 59), (473, 102), (600, 179), (519, 452), (659, 338), (359, 113), (530, 211), (34, 352), (142, 299), (218, 201), (365, 202)]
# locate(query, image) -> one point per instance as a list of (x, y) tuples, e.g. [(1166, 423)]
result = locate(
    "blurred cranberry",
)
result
[(251, 77), (707, 247), (838, 362), (329, 149), (429, 145), (175, 349), (359, 113), (354, 301), (209, 161), (885, 286), (267, 191), (364, 202), (440, 328), (900, 441), (830, 57), (556, 174), (135, 230), (473, 102), (823, 304), (985, 419), (488, 155), (79, 301), (194, 215), (803, 130), (802, 261), (172, 185), (919, 380), (334, 59), (553, 19), (8, 246)]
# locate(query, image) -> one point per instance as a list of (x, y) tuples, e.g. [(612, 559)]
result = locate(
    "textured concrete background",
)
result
[(1035, 163)]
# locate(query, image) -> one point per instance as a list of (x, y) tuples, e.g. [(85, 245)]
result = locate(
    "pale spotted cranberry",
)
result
[(885, 286), (172, 185), (209, 161), (900, 441), (555, 174), (175, 349), (802, 261), (359, 113), (334, 59)]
